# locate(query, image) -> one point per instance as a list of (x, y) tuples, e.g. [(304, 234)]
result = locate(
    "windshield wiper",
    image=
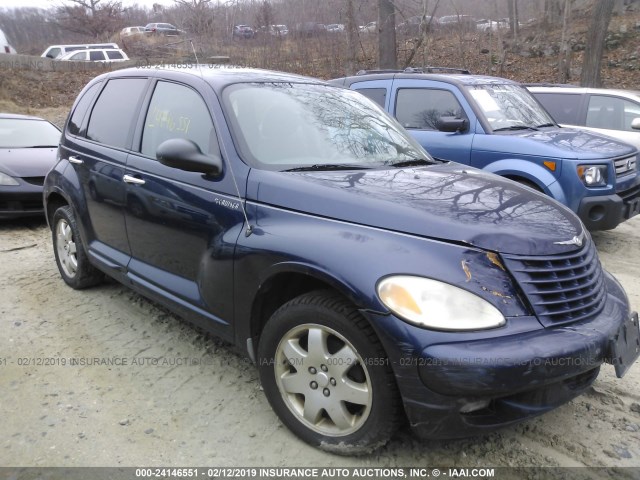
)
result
[(42, 146), (515, 127), (414, 162), (327, 166), (546, 125)]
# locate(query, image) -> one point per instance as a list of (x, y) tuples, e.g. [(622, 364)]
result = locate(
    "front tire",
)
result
[(71, 256), (326, 375)]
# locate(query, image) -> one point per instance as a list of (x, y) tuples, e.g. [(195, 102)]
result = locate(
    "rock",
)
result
[(635, 407), (124, 422), (149, 431), (621, 451), (632, 427)]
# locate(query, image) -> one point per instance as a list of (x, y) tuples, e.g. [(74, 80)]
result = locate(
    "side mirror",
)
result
[(186, 155), (635, 123), (452, 124)]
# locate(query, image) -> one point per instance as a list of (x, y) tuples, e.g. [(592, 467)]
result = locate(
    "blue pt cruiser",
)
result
[(369, 282)]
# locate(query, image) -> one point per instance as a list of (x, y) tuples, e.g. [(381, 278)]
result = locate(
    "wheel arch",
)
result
[(283, 283), (54, 201)]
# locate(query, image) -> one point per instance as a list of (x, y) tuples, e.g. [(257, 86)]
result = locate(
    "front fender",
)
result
[(532, 172)]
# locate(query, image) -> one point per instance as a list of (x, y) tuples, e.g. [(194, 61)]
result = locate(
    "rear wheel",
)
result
[(326, 375), (70, 253)]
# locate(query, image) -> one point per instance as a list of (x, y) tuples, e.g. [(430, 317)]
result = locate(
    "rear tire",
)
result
[(327, 376), (71, 256)]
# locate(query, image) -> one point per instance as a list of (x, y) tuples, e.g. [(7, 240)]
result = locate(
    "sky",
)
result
[(53, 3)]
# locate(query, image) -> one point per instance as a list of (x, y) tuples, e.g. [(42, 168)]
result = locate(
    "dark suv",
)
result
[(367, 280)]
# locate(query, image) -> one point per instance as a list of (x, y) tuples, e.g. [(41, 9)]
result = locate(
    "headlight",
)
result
[(432, 304), (7, 180), (593, 175)]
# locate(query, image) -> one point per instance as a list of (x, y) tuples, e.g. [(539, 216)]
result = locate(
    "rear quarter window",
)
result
[(75, 122), (378, 95)]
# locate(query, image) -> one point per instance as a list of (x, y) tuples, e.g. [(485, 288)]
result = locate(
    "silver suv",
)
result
[(613, 112)]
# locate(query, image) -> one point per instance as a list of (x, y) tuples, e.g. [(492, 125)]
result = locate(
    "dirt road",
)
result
[(203, 404)]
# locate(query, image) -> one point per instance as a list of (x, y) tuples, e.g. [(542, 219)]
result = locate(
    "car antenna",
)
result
[(249, 229)]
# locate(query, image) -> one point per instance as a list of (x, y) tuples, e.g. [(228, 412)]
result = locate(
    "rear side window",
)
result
[(79, 56), (53, 53), (378, 95), (75, 123), (422, 108), (611, 112), (94, 56), (177, 111), (114, 55), (564, 108), (113, 114)]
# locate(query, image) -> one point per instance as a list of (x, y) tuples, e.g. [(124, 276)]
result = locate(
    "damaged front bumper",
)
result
[(454, 385)]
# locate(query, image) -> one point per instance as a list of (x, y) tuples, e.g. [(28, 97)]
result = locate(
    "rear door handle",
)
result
[(133, 180), (76, 160)]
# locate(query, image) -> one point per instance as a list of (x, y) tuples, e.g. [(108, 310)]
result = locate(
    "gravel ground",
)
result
[(204, 405)]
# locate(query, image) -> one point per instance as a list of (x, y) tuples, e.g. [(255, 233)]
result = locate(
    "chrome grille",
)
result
[(626, 165), (561, 288)]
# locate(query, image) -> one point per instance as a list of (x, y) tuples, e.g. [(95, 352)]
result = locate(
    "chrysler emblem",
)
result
[(629, 164), (577, 241)]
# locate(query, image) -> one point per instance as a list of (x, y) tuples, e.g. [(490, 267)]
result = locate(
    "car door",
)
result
[(182, 225), (96, 145), (418, 108), (612, 115)]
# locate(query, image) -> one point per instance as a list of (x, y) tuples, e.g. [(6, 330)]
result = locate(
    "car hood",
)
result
[(575, 143), (445, 201), (27, 162)]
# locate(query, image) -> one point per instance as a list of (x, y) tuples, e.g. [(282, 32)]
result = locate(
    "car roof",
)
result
[(454, 78), (17, 116), (218, 76), (582, 90)]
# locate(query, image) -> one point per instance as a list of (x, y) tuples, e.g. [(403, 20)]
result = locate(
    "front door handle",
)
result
[(133, 180), (76, 160)]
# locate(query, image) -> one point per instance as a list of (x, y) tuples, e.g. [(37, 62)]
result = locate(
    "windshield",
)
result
[(23, 133), (509, 107), (279, 126)]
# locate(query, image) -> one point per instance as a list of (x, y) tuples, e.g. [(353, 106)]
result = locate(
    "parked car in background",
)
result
[(613, 112), (279, 31), (104, 55), (132, 31), (310, 29), (5, 47), (335, 28), (243, 31), (496, 124), (486, 303), (165, 29), (413, 25), (453, 22), (492, 25), (371, 27), (28, 147), (55, 51)]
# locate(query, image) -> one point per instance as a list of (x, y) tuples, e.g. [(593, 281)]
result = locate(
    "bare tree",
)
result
[(564, 64), (513, 18), (387, 57), (95, 18), (198, 18), (552, 12), (600, 18), (351, 39)]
